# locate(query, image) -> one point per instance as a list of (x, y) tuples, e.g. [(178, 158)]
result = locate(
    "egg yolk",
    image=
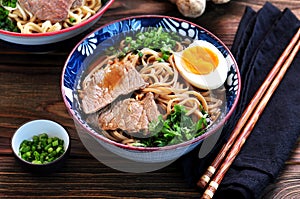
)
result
[(199, 60)]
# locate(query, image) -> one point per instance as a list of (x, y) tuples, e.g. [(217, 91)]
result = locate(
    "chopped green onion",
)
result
[(160, 59), (128, 39), (153, 38), (55, 143), (140, 53), (72, 19), (41, 149)]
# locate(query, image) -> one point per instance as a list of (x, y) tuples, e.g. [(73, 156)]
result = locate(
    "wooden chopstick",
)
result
[(213, 185), (271, 82), (246, 114)]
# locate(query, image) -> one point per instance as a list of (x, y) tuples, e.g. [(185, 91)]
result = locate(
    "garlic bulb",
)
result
[(191, 8)]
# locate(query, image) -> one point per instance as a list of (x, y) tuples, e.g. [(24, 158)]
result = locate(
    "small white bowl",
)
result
[(36, 127)]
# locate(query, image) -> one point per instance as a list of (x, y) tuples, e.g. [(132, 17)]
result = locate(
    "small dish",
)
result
[(35, 128)]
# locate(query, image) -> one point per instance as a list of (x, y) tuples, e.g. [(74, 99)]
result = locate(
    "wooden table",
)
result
[(30, 89)]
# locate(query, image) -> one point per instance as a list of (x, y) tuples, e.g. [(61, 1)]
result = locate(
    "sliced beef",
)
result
[(105, 85), (130, 115), (54, 11)]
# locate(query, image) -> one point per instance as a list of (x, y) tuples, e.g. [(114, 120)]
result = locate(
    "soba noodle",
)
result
[(28, 23)]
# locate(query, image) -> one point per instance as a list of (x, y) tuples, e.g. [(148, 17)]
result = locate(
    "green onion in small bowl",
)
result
[(41, 145), (41, 149)]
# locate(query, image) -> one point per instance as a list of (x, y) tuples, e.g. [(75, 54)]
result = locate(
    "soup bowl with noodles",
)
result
[(31, 22), (149, 88)]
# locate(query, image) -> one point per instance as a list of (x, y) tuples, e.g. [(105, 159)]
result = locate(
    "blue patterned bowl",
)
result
[(93, 44)]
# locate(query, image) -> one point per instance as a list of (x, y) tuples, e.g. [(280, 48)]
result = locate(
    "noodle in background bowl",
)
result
[(92, 45), (56, 36)]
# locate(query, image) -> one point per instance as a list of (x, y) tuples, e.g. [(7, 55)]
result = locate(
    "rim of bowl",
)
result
[(168, 147), (48, 163), (62, 31)]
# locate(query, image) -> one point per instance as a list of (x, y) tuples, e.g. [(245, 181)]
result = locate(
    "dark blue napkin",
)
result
[(260, 39)]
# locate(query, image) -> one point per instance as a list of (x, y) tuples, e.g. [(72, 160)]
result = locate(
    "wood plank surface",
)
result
[(30, 89)]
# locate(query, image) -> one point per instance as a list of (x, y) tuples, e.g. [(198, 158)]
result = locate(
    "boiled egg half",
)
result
[(202, 65)]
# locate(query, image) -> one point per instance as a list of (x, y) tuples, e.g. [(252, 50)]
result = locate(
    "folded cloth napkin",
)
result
[(260, 40)]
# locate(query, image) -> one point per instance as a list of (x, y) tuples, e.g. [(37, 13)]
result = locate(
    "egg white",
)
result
[(210, 81)]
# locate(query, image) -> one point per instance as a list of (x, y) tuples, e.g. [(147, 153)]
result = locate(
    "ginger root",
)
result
[(194, 8)]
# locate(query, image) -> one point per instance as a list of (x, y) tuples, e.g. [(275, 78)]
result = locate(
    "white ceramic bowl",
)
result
[(36, 127), (57, 36), (86, 51)]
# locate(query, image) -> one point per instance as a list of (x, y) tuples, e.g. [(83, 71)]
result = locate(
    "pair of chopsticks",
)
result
[(246, 123)]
